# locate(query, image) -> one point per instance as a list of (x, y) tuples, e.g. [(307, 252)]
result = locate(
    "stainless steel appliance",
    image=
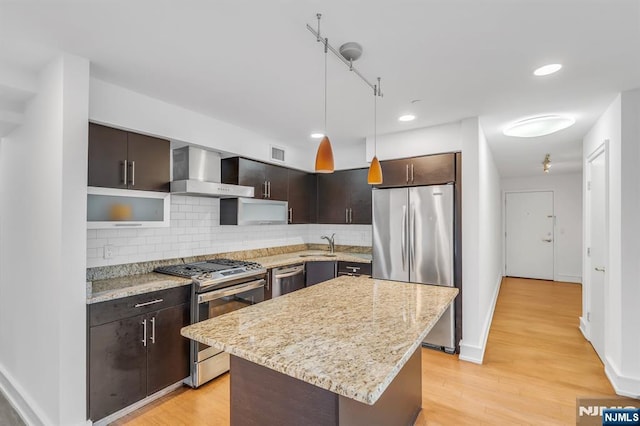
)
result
[(219, 286), (196, 171), (287, 279), (413, 242)]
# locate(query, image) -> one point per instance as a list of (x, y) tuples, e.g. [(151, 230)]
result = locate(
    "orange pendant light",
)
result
[(375, 171), (324, 157)]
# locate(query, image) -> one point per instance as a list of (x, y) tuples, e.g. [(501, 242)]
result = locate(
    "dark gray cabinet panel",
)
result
[(168, 351), (317, 272)]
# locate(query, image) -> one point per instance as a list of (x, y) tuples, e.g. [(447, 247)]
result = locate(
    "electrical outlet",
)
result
[(108, 251)]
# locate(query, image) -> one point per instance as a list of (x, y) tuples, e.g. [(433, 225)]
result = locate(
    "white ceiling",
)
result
[(254, 64)]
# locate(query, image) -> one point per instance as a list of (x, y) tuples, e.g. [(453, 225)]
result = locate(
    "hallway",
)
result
[(536, 364)]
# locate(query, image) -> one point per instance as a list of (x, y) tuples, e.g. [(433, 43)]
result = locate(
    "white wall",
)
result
[(42, 260), (481, 217), (619, 124), (119, 107), (195, 230), (567, 204), (481, 240)]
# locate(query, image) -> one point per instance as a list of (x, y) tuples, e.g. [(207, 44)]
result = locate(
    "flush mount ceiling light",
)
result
[(348, 53), (546, 163), (547, 69), (538, 126), (375, 170), (407, 117), (317, 135)]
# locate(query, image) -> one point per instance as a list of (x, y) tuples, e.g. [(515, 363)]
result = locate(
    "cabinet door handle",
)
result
[(269, 191), (346, 215), (352, 268), (153, 330), (290, 214), (350, 215), (125, 166), (152, 302), (264, 190), (407, 173), (133, 173), (412, 180), (144, 332)]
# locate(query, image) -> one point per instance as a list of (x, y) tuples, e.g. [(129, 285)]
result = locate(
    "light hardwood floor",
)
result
[(535, 365)]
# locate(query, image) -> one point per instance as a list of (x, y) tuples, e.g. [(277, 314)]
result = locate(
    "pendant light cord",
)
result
[(326, 43)]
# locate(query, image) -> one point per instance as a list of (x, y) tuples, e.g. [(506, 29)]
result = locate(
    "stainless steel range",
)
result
[(219, 286)]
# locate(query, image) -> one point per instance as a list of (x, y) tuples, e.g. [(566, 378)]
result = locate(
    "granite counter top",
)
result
[(285, 259), (349, 335), (115, 288), (130, 285)]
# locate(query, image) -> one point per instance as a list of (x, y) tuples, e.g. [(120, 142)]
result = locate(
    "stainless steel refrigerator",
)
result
[(413, 242)]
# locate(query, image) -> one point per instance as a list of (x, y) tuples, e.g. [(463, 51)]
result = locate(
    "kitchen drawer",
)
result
[(113, 310), (354, 268)]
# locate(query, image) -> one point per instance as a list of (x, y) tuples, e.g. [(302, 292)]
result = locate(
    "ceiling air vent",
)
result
[(277, 154)]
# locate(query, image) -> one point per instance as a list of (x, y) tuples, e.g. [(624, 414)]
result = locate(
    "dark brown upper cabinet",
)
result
[(344, 197), (127, 160), (425, 170), (302, 197), (268, 181)]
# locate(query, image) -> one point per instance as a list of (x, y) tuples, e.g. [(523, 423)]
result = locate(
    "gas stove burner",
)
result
[(215, 273)]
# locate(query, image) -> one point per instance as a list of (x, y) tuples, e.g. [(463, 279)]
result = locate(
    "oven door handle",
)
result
[(218, 294)]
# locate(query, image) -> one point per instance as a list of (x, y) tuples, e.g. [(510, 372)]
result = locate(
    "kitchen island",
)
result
[(346, 352)]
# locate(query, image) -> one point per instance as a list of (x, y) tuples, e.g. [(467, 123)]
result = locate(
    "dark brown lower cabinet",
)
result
[(317, 272), (118, 361), (134, 356)]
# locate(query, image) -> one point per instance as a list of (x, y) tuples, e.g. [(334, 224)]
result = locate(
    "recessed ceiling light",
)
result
[(317, 135), (407, 117), (538, 126), (547, 69)]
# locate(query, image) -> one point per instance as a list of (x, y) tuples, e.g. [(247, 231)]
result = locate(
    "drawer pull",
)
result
[(353, 268), (153, 302)]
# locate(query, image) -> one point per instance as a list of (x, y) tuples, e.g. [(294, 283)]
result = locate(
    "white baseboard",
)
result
[(21, 401), (475, 353), (623, 385), (584, 328), (568, 278)]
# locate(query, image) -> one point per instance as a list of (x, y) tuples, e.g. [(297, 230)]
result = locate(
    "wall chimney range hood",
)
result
[(196, 172)]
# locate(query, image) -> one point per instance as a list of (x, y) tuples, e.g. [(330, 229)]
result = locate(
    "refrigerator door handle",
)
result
[(403, 241), (412, 237)]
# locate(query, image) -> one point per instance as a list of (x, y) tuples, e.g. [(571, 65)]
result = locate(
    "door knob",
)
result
[(547, 240), (599, 269)]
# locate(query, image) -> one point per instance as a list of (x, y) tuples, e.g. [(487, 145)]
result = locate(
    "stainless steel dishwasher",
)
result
[(287, 279)]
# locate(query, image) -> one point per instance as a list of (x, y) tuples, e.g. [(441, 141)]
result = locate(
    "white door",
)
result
[(529, 234), (597, 248)]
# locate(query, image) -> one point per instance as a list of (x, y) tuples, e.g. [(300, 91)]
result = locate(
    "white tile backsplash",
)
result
[(195, 230)]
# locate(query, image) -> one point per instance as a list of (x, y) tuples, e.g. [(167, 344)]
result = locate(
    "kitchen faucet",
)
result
[(332, 244)]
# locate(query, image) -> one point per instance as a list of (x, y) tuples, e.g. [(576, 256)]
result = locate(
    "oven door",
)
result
[(207, 362)]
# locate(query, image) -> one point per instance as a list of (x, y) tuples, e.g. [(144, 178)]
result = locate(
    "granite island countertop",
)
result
[(349, 335)]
